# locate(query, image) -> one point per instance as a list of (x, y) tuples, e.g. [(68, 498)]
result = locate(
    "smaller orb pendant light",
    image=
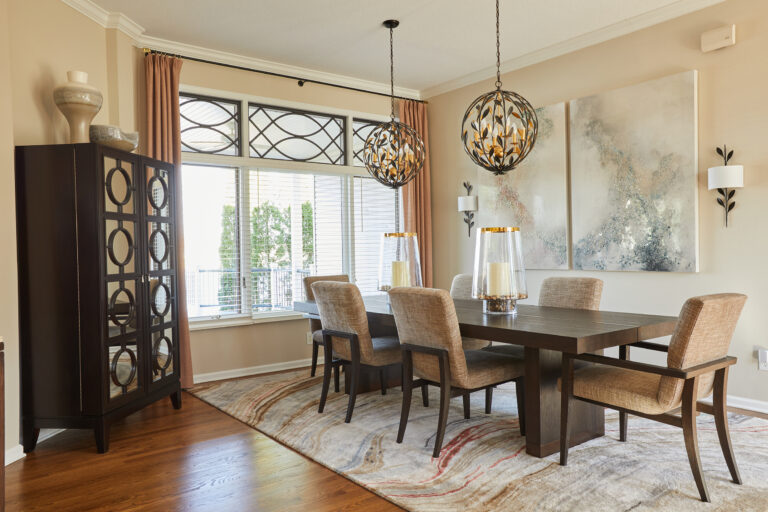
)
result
[(499, 128), (393, 152)]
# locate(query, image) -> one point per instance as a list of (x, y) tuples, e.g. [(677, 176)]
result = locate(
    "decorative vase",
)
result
[(79, 102)]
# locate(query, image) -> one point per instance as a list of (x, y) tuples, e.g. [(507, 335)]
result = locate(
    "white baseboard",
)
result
[(254, 370), (47, 433), (13, 454), (748, 404)]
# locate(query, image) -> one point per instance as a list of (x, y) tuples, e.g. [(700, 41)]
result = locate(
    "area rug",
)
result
[(483, 465)]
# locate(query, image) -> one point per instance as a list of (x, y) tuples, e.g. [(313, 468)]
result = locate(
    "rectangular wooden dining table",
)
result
[(545, 333)]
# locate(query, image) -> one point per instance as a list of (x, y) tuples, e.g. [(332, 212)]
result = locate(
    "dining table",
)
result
[(545, 334)]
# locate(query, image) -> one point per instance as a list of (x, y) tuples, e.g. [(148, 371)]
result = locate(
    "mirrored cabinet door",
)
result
[(122, 268), (161, 265)]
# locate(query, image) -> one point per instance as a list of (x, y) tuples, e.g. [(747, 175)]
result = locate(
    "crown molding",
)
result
[(126, 25), (619, 29), (234, 59)]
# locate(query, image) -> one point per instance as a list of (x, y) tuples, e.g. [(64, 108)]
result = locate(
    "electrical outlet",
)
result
[(309, 338), (762, 359)]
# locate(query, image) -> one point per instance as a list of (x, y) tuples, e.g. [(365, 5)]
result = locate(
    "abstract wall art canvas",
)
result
[(633, 177), (534, 196)]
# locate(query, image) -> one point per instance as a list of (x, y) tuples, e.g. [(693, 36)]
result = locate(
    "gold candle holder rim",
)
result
[(398, 235), (499, 229)]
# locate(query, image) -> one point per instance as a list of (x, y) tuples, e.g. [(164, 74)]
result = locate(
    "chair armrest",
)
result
[(658, 347), (424, 350), (684, 373)]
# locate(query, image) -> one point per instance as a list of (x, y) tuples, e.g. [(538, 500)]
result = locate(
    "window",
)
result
[(360, 131), (255, 227)]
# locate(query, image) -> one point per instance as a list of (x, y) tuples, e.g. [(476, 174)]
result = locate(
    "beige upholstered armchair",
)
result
[(697, 365), (316, 326), (429, 332), (346, 334)]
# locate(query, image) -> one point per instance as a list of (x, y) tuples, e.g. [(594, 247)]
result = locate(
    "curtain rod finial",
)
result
[(146, 51)]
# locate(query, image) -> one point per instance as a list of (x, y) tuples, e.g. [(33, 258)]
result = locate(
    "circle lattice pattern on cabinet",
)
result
[(121, 373), (115, 300), (161, 298), (163, 357), (157, 192), (393, 153), (155, 243), (126, 242), (499, 130), (123, 188)]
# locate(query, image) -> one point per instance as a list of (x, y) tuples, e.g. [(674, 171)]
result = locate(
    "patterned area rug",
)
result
[(483, 465)]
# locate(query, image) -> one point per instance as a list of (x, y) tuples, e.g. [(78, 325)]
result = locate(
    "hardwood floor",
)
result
[(197, 459)]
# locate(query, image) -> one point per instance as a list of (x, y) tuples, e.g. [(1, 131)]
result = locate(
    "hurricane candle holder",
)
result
[(499, 274), (399, 263)]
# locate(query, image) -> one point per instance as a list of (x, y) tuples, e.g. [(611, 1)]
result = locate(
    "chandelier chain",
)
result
[(391, 74), (498, 50)]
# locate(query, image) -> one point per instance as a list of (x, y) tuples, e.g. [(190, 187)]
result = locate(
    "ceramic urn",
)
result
[(79, 102)]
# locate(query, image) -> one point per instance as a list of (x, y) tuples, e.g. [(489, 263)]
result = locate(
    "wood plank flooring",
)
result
[(197, 459)]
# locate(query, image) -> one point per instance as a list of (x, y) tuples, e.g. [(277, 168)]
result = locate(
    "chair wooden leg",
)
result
[(690, 435), (407, 392), (721, 421), (445, 403), (520, 392), (336, 378), (623, 420), (623, 416), (425, 395), (488, 399), (327, 370), (314, 359), (353, 384), (565, 400), (383, 381), (465, 401)]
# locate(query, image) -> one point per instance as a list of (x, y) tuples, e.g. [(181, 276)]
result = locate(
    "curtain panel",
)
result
[(163, 131)]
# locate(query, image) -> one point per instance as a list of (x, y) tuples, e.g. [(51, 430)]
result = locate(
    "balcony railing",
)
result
[(214, 292)]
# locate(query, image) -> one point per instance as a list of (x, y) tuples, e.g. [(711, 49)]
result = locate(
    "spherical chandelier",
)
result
[(393, 153), (499, 128)]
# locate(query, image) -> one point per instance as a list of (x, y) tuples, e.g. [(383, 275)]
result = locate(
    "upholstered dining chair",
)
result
[(697, 366), (429, 333), (345, 332), (316, 326), (461, 288)]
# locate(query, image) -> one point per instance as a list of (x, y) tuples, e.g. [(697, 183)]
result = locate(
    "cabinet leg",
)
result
[(176, 399), (102, 437), (29, 436)]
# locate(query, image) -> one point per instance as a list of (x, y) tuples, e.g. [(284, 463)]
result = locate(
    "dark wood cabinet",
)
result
[(97, 286)]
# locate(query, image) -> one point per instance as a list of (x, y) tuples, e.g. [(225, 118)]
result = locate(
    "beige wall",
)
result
[(216, 350), (732, 109), (9, 324)]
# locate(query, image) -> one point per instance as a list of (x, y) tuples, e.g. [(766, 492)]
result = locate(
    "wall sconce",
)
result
[(723, 178), (468, 205)]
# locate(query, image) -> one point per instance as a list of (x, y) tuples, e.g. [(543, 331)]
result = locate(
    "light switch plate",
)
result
[(309, 338), (762, 359)]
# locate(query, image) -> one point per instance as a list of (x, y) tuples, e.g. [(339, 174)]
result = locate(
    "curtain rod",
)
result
[(301, 81)]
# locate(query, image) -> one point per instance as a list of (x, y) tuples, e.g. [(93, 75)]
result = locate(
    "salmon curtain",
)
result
[(417, 199), (162, 74)]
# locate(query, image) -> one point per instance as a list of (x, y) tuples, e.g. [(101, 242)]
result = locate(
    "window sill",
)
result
[(240, 321)]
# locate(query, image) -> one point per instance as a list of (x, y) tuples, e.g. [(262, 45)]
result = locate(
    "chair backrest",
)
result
[(342, 309), (571, 292), (427, 317), (315, 325), (703, 333), (461, 287)]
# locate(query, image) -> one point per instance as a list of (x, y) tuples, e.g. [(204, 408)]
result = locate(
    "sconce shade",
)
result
[(399, 263), (467, 203), (725, 176)]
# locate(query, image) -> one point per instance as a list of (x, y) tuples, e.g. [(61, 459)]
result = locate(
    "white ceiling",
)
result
[(438, 41)]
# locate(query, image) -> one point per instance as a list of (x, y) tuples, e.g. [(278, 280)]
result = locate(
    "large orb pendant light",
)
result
[(499, 128), (393, 152)]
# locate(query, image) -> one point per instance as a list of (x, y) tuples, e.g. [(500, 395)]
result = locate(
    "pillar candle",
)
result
[(401, 275), (498, 279)]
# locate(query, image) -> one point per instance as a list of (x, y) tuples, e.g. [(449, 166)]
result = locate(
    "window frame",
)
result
[(245, 163)]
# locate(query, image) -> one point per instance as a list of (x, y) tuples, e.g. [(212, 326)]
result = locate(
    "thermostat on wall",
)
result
[(718, 38)]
